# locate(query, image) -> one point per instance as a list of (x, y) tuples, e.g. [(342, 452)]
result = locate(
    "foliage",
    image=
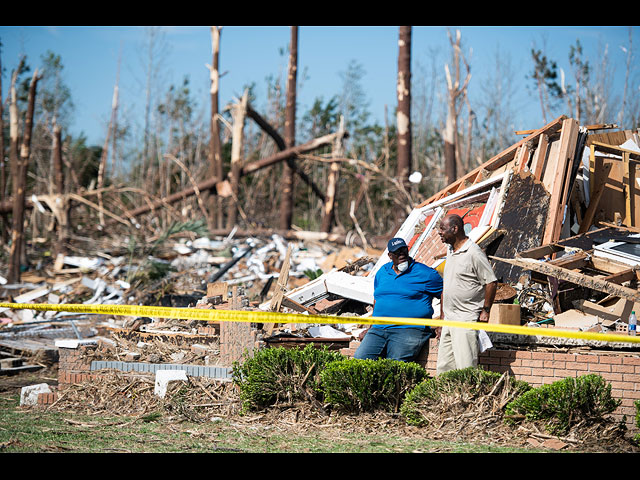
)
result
[(565, 402), (545, 77), (313, 274), (358, 385), (279, 374), (465, 385)]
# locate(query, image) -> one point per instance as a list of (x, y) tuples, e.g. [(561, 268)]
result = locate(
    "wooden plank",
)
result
[(218, 289), (292, 304), (621, 277), (615, 150), (573, 277), (549, 172), (608, 265), (559, 192), (540, 156), (598, 126), (598, 183), (628, 179), (525, 155), (573, 261), (281, 285)]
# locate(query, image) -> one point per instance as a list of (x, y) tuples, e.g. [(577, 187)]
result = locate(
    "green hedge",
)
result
[(357, 385), (277, 374), (465, 385), (565, 402)]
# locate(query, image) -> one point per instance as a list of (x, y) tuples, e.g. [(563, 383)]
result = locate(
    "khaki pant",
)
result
[(458, 348)]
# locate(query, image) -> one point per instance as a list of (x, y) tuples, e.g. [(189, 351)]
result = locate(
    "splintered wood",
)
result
[(197, 399)]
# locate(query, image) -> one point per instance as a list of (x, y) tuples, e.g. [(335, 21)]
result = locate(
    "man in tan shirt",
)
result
[(469, 290)]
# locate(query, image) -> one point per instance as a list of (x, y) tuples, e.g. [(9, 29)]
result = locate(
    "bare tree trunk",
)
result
[(214, 203), (451, 127), (105, 151), (286, 199), (404, 106), (58, 190), (20, 180), (626, 79), (239, 113), (332, 184), (114, 128), (3, 170), (269, 130)]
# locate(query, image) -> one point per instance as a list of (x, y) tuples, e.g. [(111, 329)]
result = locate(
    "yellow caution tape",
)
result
[(214, 315)]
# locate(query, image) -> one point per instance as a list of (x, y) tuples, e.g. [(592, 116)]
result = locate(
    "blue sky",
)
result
[(249, 54)]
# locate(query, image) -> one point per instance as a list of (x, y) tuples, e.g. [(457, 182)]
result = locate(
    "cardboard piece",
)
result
[(505, 313)]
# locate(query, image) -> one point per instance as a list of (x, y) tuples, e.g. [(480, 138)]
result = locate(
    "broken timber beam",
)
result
[(574, 277), (269, 130), (213, 183)]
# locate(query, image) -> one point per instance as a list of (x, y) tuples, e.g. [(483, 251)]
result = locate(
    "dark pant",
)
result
[(402, 344)]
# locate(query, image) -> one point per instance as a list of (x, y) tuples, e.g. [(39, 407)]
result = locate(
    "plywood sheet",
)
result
[(523, 217)]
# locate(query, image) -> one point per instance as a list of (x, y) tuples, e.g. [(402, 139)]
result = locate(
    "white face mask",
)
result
[(403, 266)]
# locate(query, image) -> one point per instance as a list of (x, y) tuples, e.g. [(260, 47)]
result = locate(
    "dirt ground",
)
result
[(471, 427)]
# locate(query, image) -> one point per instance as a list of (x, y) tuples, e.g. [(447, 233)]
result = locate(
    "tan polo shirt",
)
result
[(466, 272)]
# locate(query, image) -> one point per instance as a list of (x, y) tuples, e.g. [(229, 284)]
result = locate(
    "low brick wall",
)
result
[(540, 367)]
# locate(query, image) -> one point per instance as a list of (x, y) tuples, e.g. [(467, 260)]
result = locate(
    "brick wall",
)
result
[(621, 370), (72, 368), (237, 339)]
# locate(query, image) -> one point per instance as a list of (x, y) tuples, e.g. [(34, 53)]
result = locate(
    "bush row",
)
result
[(276, 375)]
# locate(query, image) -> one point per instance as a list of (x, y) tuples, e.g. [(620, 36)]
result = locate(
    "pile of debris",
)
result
[(558, 214), (253, 269)]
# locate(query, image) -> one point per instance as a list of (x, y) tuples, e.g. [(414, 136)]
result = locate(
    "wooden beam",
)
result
[(597, 189), (603, 147), (539, 157), (574, 277), (560, 184), (621, 277), (599, 126), (573, 261)]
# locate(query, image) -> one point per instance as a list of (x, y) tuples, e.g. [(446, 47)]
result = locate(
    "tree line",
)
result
[(329, 168)]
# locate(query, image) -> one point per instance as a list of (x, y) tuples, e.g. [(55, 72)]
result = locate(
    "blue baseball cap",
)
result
[(395, 244)]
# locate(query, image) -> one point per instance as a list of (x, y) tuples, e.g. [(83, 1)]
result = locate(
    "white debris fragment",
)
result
[(29, 394), (182, 249), (415, 177), (326, 331), (84, 262), (163, 377)]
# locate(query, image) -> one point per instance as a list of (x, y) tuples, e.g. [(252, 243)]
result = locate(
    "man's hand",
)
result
[(362, 334), (484, 317), (438, 331)]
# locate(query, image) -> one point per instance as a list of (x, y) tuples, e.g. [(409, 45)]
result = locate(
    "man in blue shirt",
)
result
[(402, 288)]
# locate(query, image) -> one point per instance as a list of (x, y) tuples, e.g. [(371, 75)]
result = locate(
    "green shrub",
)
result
[(281, 374), (565, 403), (456, 388), (357, 385)]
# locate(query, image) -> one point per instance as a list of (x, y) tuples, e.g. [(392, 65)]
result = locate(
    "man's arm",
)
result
[(489, 297)]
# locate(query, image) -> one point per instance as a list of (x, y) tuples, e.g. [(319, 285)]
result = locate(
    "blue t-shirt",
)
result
[(408, 294)]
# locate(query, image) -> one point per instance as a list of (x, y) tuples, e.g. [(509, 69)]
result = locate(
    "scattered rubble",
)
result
[(558, 214)]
